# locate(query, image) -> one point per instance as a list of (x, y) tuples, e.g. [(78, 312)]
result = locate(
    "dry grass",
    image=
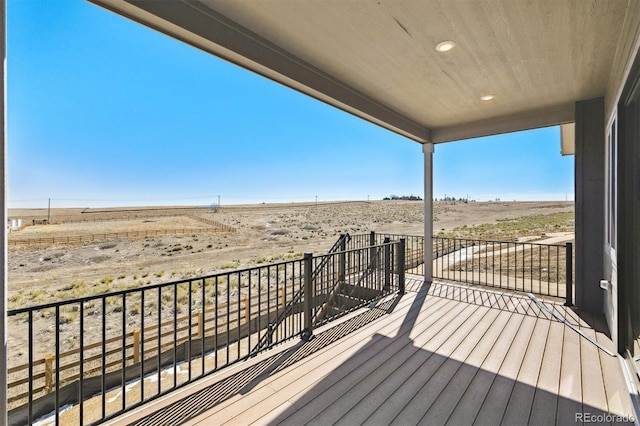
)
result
[(542, 263), (508, 229)]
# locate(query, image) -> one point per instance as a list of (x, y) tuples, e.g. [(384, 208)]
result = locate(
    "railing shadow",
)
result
[(515, 302), (245, 380), (396, 379)]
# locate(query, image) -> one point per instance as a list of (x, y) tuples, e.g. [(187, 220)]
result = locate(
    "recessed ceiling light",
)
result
[(445, 46), (487, 97)]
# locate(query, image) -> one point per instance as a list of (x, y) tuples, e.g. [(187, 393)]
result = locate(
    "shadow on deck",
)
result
[(441, 353)]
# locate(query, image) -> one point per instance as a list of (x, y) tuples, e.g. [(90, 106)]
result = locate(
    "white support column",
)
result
[(427, 149)]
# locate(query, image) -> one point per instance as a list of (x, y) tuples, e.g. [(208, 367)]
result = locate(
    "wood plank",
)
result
[(325, 368), (456, 357), (519, 405), (377, 397), (375, 390), (359, 337), (504, 301), (523, 306), (398, 392), (569, 314), (447, 401), (415, 395), (470, 403), (484, 298), (309, 406), (594, 398), (545, 402), (512, 303), (344, 395), (477, 297), (570, 390), (496, 399), (493, 300)]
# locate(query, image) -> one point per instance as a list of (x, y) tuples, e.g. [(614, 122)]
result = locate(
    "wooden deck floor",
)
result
[(440, 354)]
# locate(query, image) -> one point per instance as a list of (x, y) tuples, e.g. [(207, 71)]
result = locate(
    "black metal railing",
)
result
[(95, 357), (267, 340), (354, 278), (413, 253), (545, 269), (105, 354), (341, 281), (113, 351)]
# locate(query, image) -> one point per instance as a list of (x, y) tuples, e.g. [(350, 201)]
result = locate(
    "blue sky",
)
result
[(105, 112)]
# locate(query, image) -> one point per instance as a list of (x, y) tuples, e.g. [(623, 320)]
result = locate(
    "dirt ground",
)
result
[(267, 232)]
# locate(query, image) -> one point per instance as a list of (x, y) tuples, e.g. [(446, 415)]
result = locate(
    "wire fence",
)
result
[(110, 236)]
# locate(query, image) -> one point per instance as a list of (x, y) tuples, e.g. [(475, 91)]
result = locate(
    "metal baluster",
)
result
[(124, 349)]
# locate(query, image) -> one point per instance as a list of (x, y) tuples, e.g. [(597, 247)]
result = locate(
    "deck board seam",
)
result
[(395, 420), (502, 364), (365, 337), (484, 358), (410, 343), (428, 358), (237, 370), (546, 354), (520, 369), (416, 349), (430, 322), (494, 375)]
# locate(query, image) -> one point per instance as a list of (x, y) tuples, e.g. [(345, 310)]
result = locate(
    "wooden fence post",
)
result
[(136, 345), (200, 325), (283, 295), (48, 372)]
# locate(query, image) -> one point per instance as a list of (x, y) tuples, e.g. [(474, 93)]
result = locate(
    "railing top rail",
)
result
[(384, 234), (390, 243), (461, 239), (560, 245), (336, 246), (502, 242)]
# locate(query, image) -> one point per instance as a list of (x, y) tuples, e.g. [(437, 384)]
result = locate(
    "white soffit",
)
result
[(377, 58)]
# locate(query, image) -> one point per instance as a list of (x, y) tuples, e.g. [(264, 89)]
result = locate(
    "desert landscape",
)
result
[(112, 249), (65, 254)]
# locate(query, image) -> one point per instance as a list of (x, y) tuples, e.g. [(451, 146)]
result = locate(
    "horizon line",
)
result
[(283, 203)]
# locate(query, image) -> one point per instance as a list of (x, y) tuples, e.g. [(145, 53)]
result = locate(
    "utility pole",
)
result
[(49, 212), (316, 201), (218, 201)]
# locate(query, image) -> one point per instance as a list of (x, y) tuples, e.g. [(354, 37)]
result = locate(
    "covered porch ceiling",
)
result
[(377, 59)]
